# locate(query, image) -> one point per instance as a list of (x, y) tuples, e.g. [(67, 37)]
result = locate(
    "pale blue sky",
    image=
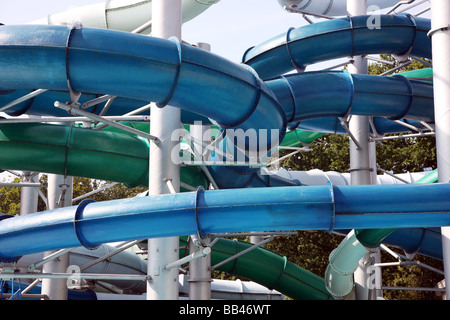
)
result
[(230, 26)]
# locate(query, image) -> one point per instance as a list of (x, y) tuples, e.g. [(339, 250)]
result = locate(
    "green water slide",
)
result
[(268, 269), (74, 151)]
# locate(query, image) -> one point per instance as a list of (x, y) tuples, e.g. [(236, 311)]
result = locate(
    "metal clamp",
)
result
[(177, 75), (74, 96), (333, 206), (433, 31), (200, 234), (410, 94), (78, 213), (296, 66)]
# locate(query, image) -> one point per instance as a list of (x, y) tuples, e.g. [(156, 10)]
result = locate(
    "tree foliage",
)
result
[(10, 198)]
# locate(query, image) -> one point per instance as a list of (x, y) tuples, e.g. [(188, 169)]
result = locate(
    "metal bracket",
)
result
[(73, 108), (8, 268), (191, 140), (62, 197), (433, 31), (96, 101), (400, 3), (48, 258), (237, 255), (22, 99), (196, 255), (344, 123), (294, 10), (409, 126), (392, 175), (402, 65)]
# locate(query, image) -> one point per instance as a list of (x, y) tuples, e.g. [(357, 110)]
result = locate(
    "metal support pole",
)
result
[(440, 36), (360, 164), (59, 195), (200, 269), (28, 195), (166, 23)]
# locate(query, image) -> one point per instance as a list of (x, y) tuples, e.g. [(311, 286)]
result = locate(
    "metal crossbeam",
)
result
[(74, 110)]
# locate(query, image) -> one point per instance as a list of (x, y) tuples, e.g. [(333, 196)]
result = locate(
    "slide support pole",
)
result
[(440, 36), (166, 23)]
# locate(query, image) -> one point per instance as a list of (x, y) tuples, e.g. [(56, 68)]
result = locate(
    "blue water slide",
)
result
[(289, 208), (332, 94), (139, 67), (339, 38)]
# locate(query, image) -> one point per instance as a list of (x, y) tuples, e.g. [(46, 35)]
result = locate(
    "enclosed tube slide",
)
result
[(124, 15), (318, 177), (426, 241), (70, 52), (72, 148), (69, 150)]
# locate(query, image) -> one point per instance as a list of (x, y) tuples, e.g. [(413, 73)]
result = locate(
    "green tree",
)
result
[(378, 68), (10, 198)]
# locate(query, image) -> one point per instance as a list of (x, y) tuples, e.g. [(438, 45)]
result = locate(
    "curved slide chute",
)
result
[(339, 38), (124, 15), (333, 94), (84, 60)]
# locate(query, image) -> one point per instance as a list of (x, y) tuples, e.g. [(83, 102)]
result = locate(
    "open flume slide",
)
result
[(216, 211), (124, 15)]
